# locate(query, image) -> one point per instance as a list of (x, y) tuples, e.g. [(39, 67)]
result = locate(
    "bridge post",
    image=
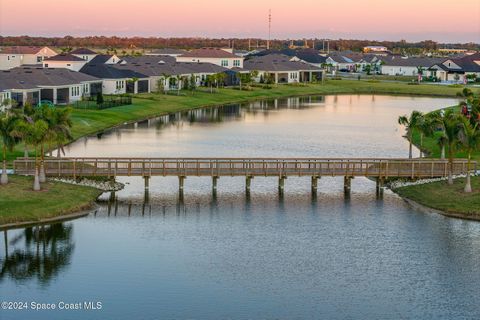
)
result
[(214, 183), (248, 183), (281, 183), (315, 183), (147, 183), (347, 184), (146, 196), (380, 184), (181, 182)]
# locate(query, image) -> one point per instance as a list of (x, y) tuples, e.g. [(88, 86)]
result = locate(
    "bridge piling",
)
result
[(181, 182), (315, 183), (380, 182), (347, 184), (281, 183), (248, 183), (214, 183), (147, 183)]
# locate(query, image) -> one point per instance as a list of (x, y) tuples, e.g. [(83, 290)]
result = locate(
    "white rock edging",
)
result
[(101, 185)]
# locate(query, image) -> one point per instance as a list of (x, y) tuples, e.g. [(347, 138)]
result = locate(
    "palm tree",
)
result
[(36, 135), (59, 125), (426, 127), (451, 123), (470, 138), (411, 123), (8, 123)]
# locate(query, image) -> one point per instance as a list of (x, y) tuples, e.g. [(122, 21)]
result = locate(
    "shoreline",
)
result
[(52, 220), (426, 209)]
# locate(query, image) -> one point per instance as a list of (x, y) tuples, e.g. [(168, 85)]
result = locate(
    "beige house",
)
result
[(221, 57), (12, 57)]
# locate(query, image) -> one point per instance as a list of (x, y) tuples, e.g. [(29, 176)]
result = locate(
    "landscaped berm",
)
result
[(451, 133), (449, 199), (19, 203)]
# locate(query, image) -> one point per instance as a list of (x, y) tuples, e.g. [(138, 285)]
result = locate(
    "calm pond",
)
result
[(262, 256)]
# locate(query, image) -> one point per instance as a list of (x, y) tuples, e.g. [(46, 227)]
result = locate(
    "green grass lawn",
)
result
[(441, 196), (18, 203)]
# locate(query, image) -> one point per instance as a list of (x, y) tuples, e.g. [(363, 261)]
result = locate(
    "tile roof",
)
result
[(21, 50)]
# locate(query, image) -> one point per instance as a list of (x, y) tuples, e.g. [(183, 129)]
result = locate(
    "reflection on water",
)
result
[(230, 254), (38, 253)]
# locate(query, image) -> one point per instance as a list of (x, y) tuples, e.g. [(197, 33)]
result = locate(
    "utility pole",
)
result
[(269, 27)]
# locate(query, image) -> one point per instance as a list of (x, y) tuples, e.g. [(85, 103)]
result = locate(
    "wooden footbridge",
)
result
[(379, 169)]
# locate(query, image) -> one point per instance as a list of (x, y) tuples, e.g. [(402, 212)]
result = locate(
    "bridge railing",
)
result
[(111, 167)]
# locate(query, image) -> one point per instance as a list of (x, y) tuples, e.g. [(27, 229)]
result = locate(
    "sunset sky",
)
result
[(440, 20)]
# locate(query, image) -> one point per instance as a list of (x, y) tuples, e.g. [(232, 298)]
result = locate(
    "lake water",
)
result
[(257, 256)]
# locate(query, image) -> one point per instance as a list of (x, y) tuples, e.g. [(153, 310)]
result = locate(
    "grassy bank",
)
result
[(446, 198), (20, 204), (87, 122)]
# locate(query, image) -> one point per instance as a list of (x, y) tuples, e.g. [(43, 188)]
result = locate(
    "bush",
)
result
[(99, 98)]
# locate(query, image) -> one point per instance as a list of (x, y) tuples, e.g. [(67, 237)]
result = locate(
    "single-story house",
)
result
[(340, 62), (117, 80), (282, 69), (59, 86), (457, 69), (167, 72), (220, 57), (12, 57), (403, 66)]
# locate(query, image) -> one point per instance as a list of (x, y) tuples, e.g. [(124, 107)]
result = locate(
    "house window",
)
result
[(46, 65), (39, 59), (224, 63), (69, 65), (236, 63)]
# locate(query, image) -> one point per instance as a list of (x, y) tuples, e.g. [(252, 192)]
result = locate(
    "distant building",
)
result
[(84, 53), (67, 61), (12, 57), (221, 57), (457, 69), (369, 49)]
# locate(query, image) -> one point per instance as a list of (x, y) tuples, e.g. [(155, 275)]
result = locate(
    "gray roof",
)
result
[(30, 78), (469, 63), (157, 68), (107, 71), (82, 51), (413, 62), (64, 57), (101, 58), (277, 62)]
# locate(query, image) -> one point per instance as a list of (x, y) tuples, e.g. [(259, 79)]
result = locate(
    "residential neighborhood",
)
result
[(35, 74)]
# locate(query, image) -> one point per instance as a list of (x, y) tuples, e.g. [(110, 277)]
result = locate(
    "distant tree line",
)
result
[(401, 46)]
